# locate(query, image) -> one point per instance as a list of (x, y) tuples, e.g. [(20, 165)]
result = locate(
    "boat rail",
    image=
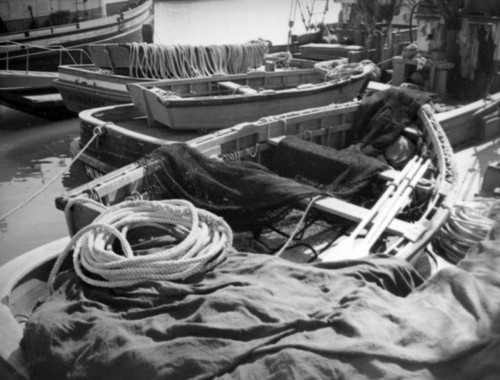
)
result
[(33, 50)]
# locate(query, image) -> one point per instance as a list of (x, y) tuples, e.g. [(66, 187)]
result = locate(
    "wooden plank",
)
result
[(377, 86), (356, 213), (42, 98), (243, 89)]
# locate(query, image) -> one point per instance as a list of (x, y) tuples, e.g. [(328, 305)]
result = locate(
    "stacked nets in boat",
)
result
[(469, 223), (249, 195), (345, 173), (384, 118), (246, 194), (188, 61)]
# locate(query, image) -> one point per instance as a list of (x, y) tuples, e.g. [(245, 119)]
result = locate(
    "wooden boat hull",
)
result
[(222, 113), (40, 48), (125, 137), (85, 86), (180, 110)]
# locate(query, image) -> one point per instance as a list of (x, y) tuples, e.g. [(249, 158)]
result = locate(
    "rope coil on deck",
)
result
[(469, 223), (206, 238)]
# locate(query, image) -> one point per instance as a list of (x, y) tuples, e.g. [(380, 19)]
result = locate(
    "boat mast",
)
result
[(308, 14)]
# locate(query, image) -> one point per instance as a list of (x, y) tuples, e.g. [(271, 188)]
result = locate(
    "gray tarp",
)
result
[(260, 317)]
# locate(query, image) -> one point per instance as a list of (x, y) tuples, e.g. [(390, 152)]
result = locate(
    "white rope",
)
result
[(186, 61), (97, 132), (206, 240), (469, 223)]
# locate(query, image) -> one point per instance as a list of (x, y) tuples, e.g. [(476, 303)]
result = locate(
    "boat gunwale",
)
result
[(287, 93)]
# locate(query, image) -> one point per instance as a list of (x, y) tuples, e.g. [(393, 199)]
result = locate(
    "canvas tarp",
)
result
[(261, 317)]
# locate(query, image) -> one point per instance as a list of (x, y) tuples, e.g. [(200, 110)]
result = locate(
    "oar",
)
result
[(397, 206), (349, 244)]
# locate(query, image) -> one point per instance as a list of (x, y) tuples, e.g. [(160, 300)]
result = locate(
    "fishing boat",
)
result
[(330, 125), (239, 98), (124, 134), (116, 65), (36, 38), (42, 36)]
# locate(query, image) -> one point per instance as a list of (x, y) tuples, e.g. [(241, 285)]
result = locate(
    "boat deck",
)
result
[(42, 102), (30, 78)]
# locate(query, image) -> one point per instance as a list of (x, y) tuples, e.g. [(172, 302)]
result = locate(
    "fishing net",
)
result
[(244, 193), (249, 195), (343, 173), (385, 116)]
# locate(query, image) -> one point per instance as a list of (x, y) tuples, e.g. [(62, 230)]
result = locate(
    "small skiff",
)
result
[(239, 98)]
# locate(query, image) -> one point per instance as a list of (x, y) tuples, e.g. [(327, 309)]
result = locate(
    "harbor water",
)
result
[(33, 151)]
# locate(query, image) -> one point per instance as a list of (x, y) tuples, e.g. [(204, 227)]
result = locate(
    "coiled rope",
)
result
[(205, 240), (186, 61), (339, 69), (469, 223), (96, 134)]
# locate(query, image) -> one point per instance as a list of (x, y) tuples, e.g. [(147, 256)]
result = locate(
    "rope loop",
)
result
[(203, 240), (98, 130)]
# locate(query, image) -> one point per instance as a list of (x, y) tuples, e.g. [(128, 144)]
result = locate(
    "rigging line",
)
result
[(97, 133), (299, 224)]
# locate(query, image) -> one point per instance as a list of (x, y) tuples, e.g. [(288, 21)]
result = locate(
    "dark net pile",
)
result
[(343, 173), (244, 193), (383, 117)]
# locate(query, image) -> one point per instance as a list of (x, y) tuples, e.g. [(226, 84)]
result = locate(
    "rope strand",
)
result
[(186, 61)]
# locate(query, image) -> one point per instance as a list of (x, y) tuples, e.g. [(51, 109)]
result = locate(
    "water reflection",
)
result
[(32, 155)]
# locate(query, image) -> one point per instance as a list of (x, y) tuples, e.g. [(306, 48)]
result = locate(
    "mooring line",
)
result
[(96, 134)]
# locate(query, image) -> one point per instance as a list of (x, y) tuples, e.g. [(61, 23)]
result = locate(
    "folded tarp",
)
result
[(260, 317)]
